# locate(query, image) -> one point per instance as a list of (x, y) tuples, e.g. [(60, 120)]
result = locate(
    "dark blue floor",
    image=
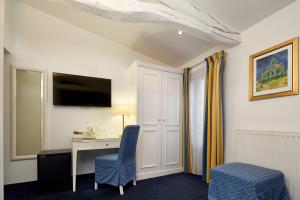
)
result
[(172, 187)]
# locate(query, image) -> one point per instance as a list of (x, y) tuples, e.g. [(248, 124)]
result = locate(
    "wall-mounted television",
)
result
[(74, 90)]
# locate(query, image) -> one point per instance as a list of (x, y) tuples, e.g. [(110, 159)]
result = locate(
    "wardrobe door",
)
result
[(171, 117), (149, 118)]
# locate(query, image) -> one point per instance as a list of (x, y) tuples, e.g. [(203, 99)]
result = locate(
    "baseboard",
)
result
[(140, 176), (143, 176), (79, 177)]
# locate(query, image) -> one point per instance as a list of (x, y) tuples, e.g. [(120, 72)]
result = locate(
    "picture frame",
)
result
[(273, 72)]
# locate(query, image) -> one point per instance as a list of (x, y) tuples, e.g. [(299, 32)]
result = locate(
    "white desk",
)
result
[(79, 144)]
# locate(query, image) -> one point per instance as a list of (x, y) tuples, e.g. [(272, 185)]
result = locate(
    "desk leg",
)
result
[(74, 166)]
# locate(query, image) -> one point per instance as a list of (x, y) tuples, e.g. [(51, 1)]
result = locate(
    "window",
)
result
[(197, 93)]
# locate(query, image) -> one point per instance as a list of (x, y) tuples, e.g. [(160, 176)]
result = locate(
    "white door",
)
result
[(171, 116), (149, 118)]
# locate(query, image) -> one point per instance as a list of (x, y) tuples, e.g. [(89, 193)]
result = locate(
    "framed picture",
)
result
[(274, 71)]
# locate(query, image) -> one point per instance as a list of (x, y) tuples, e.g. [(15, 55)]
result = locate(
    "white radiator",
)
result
[(275, 150)]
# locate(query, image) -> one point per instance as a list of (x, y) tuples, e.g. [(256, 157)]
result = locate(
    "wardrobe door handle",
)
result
[(159, 120)]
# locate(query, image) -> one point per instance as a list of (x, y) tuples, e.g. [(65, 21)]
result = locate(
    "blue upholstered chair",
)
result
[(120, 168)]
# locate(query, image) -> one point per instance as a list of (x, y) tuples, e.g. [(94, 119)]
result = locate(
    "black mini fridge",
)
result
[(54, 171)]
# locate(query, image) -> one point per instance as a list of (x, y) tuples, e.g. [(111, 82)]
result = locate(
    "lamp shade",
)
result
[(123, 109)]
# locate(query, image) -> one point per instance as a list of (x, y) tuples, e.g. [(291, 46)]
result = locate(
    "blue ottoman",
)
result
[(240, 181)]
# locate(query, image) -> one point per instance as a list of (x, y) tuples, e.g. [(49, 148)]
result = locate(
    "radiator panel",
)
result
[(275, 150)]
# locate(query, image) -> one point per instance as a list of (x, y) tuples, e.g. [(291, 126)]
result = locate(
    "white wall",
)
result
[(1, 96), (280, 114), (202, 57), (42, 41), (7, 24)]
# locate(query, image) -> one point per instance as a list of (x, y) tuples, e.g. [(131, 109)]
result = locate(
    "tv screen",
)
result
[(74, 90)]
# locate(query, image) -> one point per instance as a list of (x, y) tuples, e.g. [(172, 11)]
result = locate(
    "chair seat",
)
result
[(108, 160), (112, 157)]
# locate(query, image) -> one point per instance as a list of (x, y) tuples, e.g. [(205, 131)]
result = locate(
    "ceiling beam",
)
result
[(202, 26)]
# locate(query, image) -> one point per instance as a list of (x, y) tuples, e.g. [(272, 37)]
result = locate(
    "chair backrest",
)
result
[(129, 142)]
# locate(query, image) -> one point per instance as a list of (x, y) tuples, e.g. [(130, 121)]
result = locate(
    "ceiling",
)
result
[(241, 14), (161, 41)]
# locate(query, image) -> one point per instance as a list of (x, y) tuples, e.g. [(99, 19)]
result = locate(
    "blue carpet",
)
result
[(172, 187)]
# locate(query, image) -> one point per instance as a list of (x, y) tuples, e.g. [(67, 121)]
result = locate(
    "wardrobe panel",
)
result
[(149, 111), (171, 116)]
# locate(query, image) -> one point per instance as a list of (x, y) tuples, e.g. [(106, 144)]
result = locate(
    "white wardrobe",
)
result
[(157, 94)]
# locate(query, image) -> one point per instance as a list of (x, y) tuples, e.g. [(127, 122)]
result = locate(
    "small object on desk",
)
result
[(83, 135), (54, 171), (90, 131), (77, 133)]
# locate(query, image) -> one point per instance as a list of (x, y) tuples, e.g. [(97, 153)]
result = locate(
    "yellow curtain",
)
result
[(214, 109)]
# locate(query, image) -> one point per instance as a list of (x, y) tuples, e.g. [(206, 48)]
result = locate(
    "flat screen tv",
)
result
[(74, 90)]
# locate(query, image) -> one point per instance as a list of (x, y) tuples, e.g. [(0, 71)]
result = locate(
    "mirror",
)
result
[(28, 112)]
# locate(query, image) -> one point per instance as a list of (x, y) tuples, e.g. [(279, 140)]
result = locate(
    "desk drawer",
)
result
[(106, 144), (86, 144)]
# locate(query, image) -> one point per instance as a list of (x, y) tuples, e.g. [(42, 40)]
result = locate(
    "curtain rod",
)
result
[(203, 61), (199, 63)]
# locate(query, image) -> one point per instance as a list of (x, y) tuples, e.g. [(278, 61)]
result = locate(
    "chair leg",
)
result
[(134, 182), (121, 190), (96, 186)]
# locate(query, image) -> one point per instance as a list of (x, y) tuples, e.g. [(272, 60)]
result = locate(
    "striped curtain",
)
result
[(187, 149), (213, 123)]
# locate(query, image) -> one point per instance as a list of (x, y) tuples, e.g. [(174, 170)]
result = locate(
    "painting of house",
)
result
[(271, 71)]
